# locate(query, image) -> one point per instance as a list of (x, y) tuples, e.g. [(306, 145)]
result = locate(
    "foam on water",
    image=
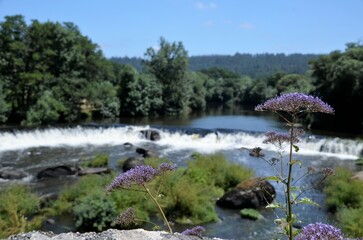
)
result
[(170, 140)]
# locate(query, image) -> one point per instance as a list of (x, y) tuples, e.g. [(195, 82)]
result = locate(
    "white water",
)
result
[(170, 141)]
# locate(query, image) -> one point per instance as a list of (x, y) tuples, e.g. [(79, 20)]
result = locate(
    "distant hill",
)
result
[(253, 65)]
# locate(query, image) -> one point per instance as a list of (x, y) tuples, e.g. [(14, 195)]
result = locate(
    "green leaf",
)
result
[(306, 200), (295, 188), (296, 148), (274, 205), (293, 162), (273, 178)]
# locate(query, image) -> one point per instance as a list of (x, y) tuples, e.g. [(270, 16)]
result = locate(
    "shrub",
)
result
[(342, 190), (94, 211), (217, 170), (18, 211), (100, 160), (351, 221)]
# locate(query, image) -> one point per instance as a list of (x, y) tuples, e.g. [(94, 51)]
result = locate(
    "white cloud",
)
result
[(247, 25), (204, 6)]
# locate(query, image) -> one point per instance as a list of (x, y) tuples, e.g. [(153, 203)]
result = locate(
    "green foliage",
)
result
[(359, 162), (203, 181), (250, 213), (48, 69), (139, 94), (87, 197), (19, 211), (4, 108), (339, 80), (341, 190), (217, 170), (169, 65), (94, 211), (294, 83), (100, 160), (344, 196), (351, 221), (47, 109)]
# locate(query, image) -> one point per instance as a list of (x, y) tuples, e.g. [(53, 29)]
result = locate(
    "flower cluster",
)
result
[(320, 231), (195, 231), (295, 103), (126, 218), (138, 175), (165, 167), (279, 138)]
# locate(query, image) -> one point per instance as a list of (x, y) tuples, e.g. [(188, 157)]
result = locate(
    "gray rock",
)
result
[(12, 174), (151, 135), (110, 234), (133, 162), (254, 193)]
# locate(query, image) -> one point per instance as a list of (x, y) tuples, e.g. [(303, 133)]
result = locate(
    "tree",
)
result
[(139, 94), (169, 65), (294, 83), (339, 80)]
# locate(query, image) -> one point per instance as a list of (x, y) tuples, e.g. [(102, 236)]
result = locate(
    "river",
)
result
[(218, 130)]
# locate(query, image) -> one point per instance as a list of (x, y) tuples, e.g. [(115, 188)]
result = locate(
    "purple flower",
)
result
[(195, 231), (138, 175), (126, 218), (279, 138), (165, 167), (294, 103), (320, 231)]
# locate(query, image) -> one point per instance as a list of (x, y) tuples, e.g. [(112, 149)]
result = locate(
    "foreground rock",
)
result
[(111, 234), (254, 193)]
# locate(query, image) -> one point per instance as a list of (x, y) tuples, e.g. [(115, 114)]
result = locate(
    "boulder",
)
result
[(358, 175), (57, 171), (146, 153), (151, 135), (12, 174), (253, 193), (132, 162)]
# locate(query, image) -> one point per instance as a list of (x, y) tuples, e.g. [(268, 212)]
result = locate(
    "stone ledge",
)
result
[(110, 234)]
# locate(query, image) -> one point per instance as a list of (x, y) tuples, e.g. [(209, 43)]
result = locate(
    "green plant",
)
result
[(94, 211), (290, 107), (341, 190), (250, 213), (100, 160), (19, 211), (351, 221), (217, 170)]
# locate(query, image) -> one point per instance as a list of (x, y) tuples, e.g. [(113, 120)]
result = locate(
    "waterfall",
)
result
[(202, 140)]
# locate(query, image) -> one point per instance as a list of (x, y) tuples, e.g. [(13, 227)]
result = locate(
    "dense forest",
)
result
[(252, 65), (50, 72)]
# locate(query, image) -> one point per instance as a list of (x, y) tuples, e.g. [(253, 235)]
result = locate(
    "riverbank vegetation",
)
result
[(50, 73), (344, 198), (206, 177)]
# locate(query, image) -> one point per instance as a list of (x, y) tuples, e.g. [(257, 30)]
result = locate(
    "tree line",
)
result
[(252, 65), (50, 72)]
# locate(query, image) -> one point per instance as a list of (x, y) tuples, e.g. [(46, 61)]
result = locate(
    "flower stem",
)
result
[(160, 210), (288, 185)]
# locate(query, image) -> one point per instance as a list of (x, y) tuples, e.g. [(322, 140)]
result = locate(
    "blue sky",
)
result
[(129, 27)]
